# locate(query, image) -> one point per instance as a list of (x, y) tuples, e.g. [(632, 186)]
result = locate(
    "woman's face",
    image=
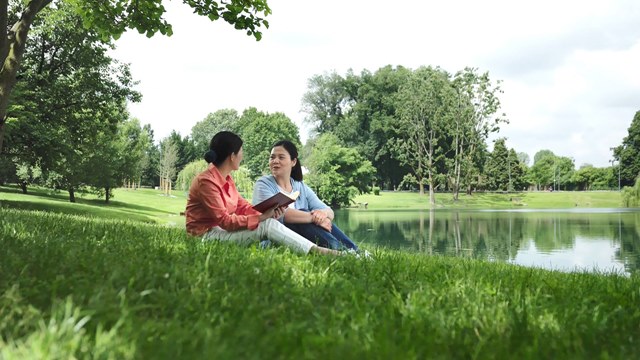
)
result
[(280, 162), (236, 159)]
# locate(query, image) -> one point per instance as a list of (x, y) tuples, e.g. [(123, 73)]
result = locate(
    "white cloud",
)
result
[(571, 80)]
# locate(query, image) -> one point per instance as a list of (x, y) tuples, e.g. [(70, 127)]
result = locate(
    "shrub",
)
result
[(631, 195)]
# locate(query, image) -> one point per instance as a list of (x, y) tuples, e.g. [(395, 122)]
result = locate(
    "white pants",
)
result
[(269, 229)]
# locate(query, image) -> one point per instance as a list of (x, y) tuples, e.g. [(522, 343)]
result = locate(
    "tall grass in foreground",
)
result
[(90, 288)]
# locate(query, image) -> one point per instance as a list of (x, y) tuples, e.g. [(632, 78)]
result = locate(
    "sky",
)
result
[(570, 70)]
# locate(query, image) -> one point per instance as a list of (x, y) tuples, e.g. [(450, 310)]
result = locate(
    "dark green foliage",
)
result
[(111, 18), (589, 177), (72, 287), (631, 195), (69, 103), (338, 174), (365, 112), (203, 131), (259, 131), (628, 153), (360, 110), (187, 150), (503, 169)]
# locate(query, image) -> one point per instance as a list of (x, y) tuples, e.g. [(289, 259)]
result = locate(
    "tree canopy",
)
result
[(71, 99), (109, 19), (628, 153)]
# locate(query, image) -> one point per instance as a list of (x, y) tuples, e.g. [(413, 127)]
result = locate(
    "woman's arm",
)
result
[(211, 198), (327, 212), (316, 205), (295, 216)]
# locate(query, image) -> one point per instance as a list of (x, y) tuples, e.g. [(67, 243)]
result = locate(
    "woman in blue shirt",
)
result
[(308, 215)]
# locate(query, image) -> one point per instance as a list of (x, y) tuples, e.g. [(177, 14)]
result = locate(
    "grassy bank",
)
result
[(531, 200), (77, 286), (145, 205), (152, 206), (93, 287)]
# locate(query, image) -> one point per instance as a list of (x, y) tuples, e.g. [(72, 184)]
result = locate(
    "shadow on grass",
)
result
[(80, 199), (69, 209), (123, 205)]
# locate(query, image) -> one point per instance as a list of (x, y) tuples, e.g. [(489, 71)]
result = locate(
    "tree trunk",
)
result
[(11, 51), (432, 198), (457, 235), (421, 187), (72, 194), (107, 194), (23, 186), (432, 225)]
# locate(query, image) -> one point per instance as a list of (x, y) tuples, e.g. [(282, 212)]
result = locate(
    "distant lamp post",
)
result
[(619, 175), (613, 161)]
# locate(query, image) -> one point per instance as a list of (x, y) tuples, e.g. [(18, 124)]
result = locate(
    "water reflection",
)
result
[(603, 239)]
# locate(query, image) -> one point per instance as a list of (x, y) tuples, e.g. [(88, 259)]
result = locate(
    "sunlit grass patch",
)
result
[(532, 200), (144, 205)]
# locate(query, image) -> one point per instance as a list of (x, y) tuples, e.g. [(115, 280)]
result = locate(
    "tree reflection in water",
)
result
[(506, 235)]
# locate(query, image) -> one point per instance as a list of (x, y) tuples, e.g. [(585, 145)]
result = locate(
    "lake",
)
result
[(566, 239)]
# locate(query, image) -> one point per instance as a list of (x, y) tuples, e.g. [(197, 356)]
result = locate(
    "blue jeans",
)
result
[(335, 239)]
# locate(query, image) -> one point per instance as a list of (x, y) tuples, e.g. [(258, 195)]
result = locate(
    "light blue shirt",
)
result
[(266, 187)]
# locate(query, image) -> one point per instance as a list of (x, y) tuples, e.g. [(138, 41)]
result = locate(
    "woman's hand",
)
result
[(274, 213), (321, 219), (318, 217), (326, 224)]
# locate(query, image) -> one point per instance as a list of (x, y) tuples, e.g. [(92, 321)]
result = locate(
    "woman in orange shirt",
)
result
[(215, 209)]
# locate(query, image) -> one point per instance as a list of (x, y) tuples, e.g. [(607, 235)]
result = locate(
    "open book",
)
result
[(279, 199)]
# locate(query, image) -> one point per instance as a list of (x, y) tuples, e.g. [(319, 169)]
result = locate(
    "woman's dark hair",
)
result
[(296, 172), (222, 145)]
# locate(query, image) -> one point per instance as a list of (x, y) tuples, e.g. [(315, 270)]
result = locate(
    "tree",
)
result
[(475, 118), (70, 92), (106, 166), (167, 167), (542, 171), (504, 170), (337, 173), (326, 102), (136, 142), (221, 120), (151, 160), (542, 154), (360, 110), (589, 177), (498, 169), (188, 173), (186, 149), (564, 169), (26, 174), (110, 18), (631, 195), (117, 158), (523, 157), (371, 123), (517, 172), (424, 109), (628, 153), (259, 131)]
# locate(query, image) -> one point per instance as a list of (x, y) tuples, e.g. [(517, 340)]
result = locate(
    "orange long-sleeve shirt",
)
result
[(215, 201)]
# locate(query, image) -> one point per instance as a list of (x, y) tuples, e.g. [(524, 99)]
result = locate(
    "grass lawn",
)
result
[(144, 205), (77, 281), (531, 200)]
